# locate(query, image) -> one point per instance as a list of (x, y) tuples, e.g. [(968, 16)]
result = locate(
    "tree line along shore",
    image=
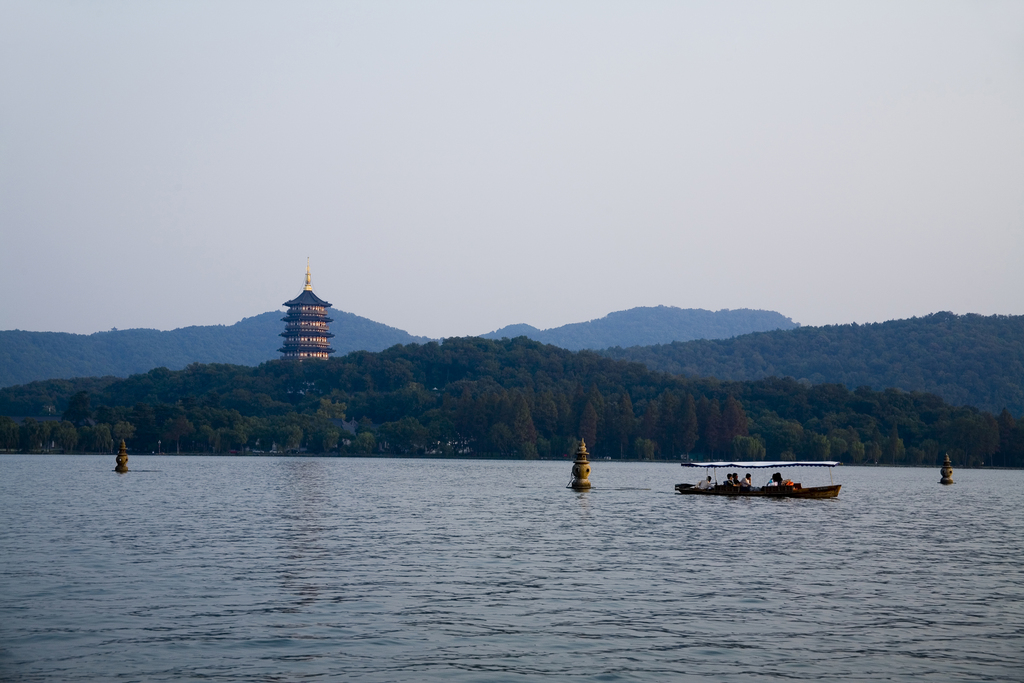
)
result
[(512, 398)]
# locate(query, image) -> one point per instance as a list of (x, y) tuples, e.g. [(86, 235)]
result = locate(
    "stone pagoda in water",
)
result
[(306, 333)]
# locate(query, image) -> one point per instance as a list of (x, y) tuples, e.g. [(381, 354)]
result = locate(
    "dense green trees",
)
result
[(10, 436), (965, 359), (509, 398)]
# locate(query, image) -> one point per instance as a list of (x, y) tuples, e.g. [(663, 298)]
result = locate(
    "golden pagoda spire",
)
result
[(309, 278)]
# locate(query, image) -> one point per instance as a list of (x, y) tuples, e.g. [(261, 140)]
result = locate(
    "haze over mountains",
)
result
[(30, 356), (644, 326)]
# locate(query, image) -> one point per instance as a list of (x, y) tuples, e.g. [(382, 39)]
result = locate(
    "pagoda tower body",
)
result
[(306, 333)]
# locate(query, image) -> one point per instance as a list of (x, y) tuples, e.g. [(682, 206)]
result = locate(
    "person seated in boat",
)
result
[(705, 484), (746, 483), (776, 479), (779, 481)]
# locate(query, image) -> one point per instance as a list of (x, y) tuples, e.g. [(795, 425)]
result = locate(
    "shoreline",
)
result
[(489, 458)]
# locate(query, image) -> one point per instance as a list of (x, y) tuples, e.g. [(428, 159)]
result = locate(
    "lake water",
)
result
[(288, 569)]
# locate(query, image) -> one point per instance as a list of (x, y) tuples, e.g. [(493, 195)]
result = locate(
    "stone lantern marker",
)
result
[(122, 458), (946, 472), (581, 469)]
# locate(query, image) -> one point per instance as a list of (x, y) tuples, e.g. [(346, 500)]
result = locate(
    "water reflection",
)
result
[(304, 508), (583, 504)]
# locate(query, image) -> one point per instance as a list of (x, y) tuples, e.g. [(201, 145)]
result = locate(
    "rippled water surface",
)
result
[(274, 569)]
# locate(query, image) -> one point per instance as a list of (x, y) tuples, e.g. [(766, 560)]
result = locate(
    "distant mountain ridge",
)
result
[(30, 356), (649, 325)]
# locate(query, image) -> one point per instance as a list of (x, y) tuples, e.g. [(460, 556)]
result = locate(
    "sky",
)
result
[(453, 167)]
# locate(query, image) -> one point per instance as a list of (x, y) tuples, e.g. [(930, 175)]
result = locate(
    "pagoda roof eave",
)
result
[(307, 298)]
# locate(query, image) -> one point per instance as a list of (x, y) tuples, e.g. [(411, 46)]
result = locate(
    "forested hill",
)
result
[(966, 359), (30, 356), (644, 326), (509, 398)]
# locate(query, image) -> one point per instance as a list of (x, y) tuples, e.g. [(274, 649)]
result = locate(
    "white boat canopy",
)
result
[(761, 464)]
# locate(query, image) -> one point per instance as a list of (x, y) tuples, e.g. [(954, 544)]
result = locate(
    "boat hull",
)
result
[(766, 492)]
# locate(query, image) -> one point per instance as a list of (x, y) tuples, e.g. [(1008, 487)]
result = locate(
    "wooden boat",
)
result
[(786, 490)]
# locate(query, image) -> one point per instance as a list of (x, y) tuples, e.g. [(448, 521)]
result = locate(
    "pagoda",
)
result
[(305, 331)]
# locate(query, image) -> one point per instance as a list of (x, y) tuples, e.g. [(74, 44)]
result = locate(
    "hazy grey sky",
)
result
[(453, 167)]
